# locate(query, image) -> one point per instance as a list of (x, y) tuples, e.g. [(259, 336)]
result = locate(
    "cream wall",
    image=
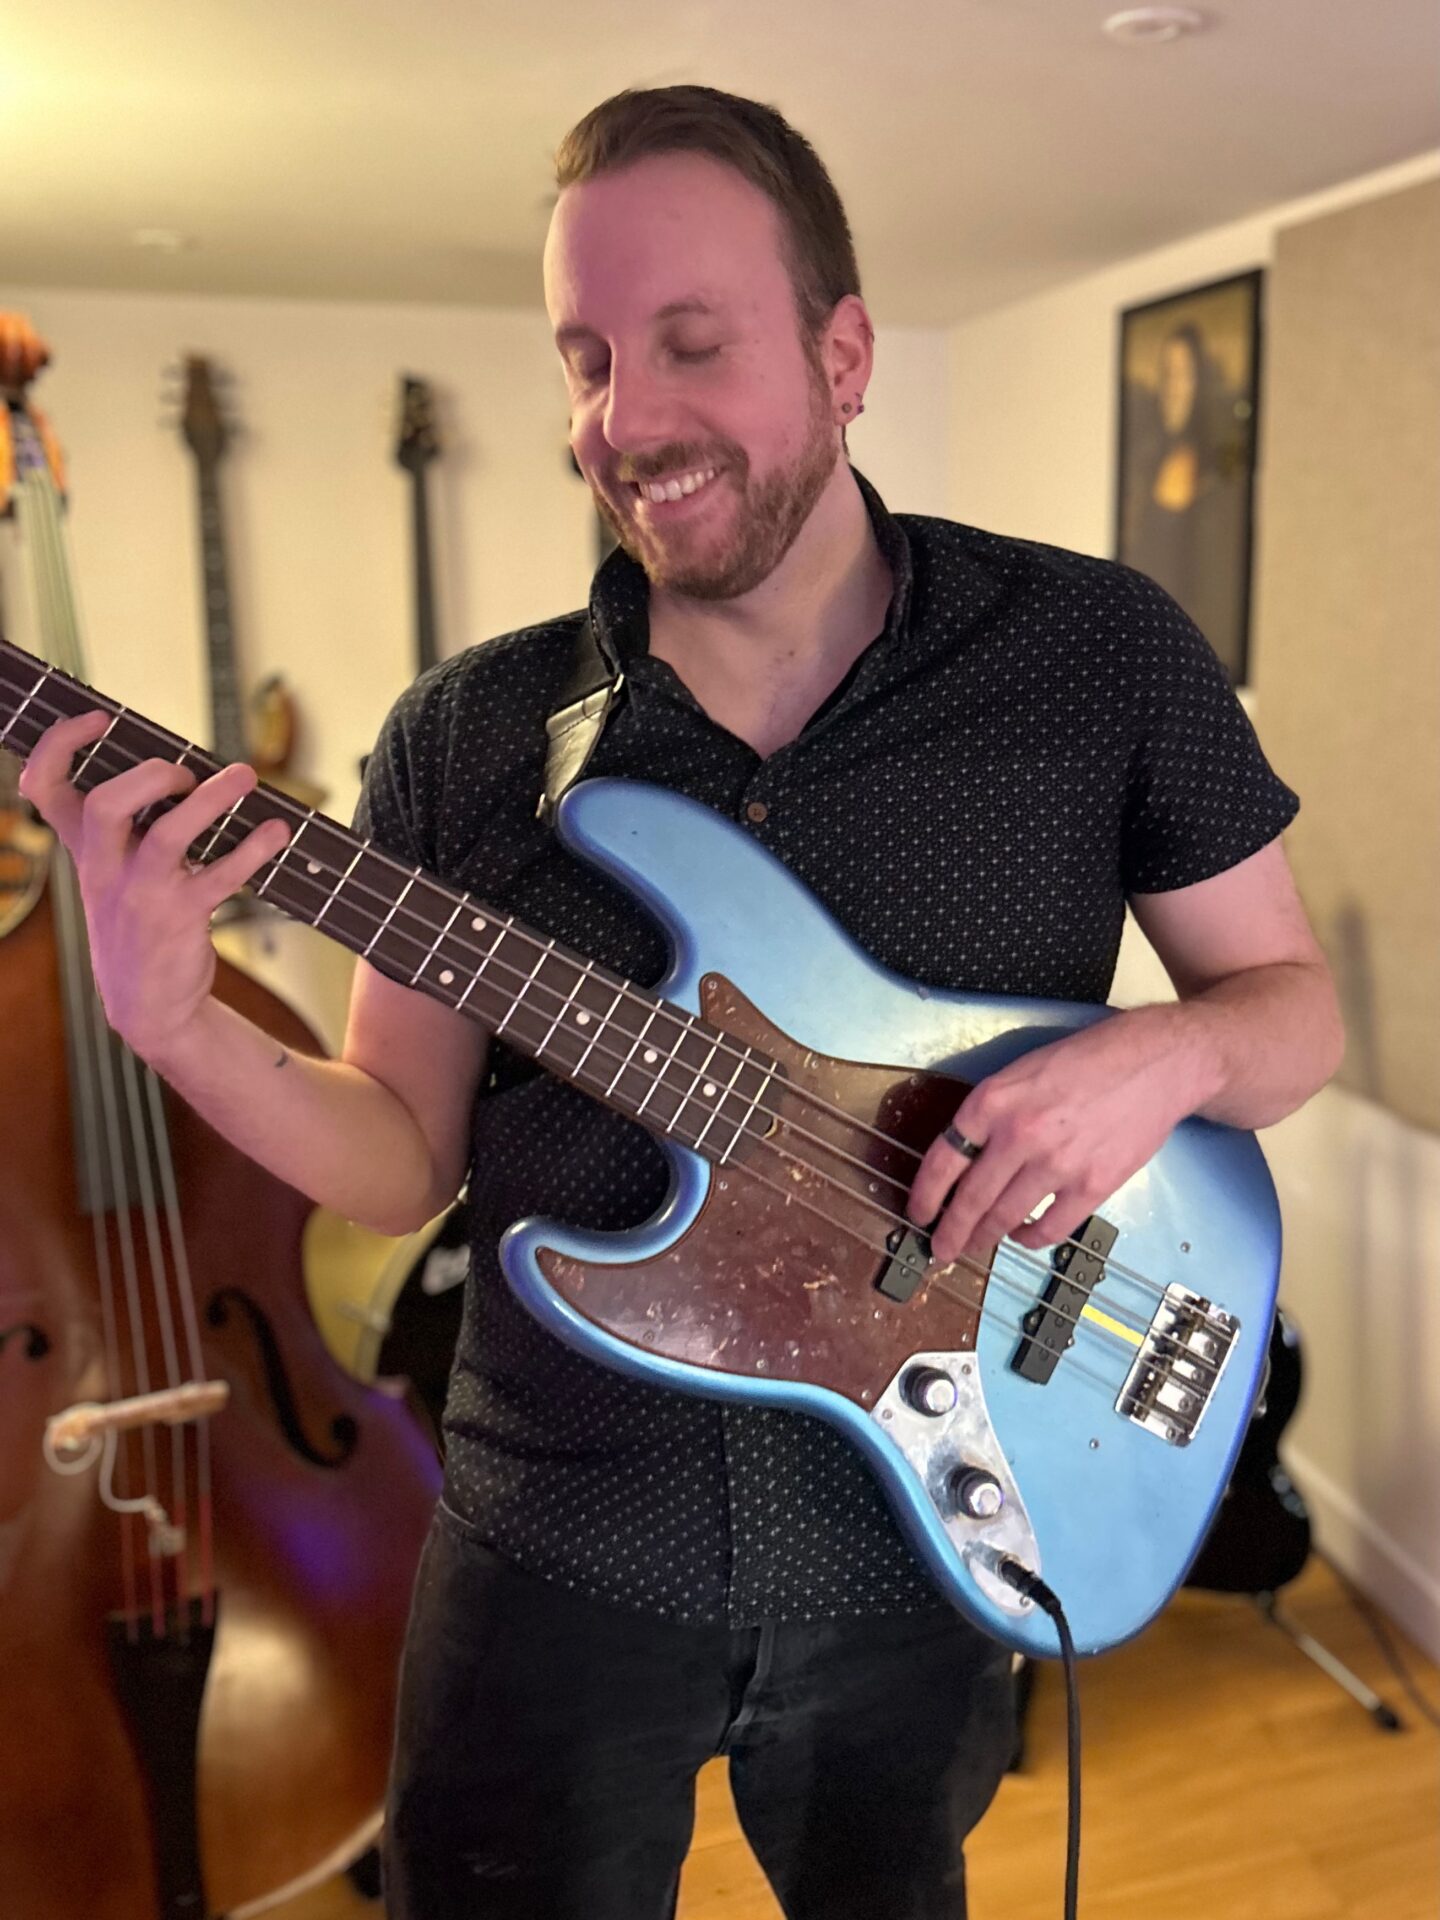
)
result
[(1033, 444), (316, 509)]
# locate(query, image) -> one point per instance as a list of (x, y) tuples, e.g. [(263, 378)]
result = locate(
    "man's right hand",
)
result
[(147, 908)]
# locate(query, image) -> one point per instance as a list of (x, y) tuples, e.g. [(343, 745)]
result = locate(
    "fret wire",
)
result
[(767, 1076), (525, 985), (390, 913), (719, 1107), (284, 854), (630, 1053), (600, 1028), (14, 718), (585, 972), (430, 950), (81, 765), (331, 896), (700, 1074), (220, 826), (501, 929)]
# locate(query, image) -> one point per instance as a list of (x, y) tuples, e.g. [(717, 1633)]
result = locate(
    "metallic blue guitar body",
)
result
[(1095, 1449)]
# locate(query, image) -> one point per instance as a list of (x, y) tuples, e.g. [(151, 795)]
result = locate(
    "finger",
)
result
[(974, 1193), (45, 777), (232, 870), (937, 1173), (108, 815), (1013, 1205), (1068, 1211), (165, 845)]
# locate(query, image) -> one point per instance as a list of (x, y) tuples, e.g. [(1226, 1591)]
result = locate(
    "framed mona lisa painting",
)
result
[(1189, 385)]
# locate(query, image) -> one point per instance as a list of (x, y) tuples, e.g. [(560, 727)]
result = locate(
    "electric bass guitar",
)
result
[(1075, 1412)]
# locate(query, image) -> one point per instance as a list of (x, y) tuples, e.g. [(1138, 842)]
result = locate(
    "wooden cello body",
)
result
[(201, 1615)]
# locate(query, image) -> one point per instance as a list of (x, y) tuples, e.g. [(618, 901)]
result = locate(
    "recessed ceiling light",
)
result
[(163, 240), (1149, 26)]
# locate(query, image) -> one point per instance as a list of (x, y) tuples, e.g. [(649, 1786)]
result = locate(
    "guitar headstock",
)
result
[(417, 441), (26, 443), (204, 421)]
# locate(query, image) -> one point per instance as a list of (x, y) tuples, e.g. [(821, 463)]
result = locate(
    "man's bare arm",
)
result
[(381, 1136)]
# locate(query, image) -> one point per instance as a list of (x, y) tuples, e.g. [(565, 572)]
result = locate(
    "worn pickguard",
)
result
[(777, 1276)]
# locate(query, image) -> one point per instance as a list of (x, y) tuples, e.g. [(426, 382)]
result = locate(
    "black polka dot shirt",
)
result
[(1034, 735)]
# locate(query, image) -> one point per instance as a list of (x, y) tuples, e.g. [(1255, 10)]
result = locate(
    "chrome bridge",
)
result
[(1178, 1366)]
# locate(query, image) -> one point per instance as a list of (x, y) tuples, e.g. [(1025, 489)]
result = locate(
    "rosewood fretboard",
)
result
[(626, 1046)]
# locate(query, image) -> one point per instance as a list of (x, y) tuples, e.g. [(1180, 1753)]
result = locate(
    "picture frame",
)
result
[(1188, 405)]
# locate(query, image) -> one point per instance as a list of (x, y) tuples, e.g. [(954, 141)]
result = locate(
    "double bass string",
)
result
[(103, 1148)]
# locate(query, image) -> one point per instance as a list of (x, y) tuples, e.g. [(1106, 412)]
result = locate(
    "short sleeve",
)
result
[(404, 774), (1201, 796)]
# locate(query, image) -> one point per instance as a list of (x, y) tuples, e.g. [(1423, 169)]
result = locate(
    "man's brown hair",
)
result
[(759, 144)]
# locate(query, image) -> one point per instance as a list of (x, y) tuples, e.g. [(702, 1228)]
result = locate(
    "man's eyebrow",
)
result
[(569, 336)]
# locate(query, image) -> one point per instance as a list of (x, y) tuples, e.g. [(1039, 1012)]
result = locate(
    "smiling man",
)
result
[(974, 749)]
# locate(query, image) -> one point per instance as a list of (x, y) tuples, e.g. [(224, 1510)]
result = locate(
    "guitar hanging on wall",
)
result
[(417, 445), (262, 730)]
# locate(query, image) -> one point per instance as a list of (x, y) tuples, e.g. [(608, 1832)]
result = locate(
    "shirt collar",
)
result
[(620, 593)]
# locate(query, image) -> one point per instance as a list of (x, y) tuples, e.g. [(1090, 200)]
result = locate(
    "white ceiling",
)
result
[(400, 149)]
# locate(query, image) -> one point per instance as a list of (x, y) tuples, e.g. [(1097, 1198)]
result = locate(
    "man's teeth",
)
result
[(677, 488)]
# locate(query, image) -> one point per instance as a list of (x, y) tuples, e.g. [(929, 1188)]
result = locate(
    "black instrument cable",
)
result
[(1034, 1588)]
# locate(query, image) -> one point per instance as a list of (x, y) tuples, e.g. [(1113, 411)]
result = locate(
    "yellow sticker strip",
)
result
[(1112, 1326)]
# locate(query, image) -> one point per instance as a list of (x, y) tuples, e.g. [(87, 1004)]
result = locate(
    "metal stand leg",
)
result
[(1383, 1716)]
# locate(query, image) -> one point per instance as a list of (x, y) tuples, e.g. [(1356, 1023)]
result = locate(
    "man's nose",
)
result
[(639, 411)]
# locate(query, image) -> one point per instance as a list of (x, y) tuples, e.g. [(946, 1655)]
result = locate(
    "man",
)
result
[(971, 748)]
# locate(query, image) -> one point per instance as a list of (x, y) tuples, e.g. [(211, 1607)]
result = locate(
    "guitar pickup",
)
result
[(1078, 1268), (910, 1255)]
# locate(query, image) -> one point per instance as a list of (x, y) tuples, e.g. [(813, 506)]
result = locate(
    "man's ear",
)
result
[(849, 354)]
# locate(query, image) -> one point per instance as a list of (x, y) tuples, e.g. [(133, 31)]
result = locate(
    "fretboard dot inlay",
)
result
[(709, 1089), (312, 866), (446, 977), (582, 1019), (478, 923), (651, 1056)]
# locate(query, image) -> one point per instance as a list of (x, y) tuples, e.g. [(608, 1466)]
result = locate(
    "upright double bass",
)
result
[(208, 1531)]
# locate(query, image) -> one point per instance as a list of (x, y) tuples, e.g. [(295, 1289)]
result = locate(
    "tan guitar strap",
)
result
[(573, 730)]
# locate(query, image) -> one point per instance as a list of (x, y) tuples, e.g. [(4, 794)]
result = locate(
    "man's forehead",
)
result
[(674, 226)]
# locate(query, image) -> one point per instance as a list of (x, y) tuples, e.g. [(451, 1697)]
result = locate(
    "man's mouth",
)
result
[(675, 486)]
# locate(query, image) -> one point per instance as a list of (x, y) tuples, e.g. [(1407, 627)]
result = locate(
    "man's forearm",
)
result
[(329, 1129), (1257, 1044)]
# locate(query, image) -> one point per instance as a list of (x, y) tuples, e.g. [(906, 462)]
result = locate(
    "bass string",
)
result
[(1035, 1263), (392, 915), (220, 841)]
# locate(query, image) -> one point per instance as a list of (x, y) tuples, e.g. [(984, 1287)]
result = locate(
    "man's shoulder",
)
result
[(1016, 561), (526, 664)]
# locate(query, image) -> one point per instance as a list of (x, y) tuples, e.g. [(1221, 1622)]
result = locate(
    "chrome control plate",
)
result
[(939, 1445)]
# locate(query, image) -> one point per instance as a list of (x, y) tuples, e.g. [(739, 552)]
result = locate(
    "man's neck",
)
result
[(761, 665), (827, 598)]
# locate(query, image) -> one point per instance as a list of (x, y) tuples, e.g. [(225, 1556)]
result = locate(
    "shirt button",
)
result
[(756, 812)]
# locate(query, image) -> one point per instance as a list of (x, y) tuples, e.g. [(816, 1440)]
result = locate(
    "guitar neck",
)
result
[(624, 1045), (227, 719), (425, 644)]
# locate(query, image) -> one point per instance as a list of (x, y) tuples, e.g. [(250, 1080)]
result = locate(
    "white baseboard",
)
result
[(1378, 1564)]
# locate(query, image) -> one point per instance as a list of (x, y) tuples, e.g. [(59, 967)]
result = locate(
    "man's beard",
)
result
[(767, 522)]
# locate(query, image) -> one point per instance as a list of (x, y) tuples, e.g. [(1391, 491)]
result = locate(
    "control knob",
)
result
[(978, 1494), (931, 1390)]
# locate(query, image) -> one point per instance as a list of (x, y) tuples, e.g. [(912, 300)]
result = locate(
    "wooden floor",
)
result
[(1225, 1776)]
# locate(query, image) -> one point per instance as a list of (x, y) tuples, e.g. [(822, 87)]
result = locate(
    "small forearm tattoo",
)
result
[(282, 1058)]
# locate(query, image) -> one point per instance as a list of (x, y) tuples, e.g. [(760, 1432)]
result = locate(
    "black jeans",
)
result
[(548, 1746)]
